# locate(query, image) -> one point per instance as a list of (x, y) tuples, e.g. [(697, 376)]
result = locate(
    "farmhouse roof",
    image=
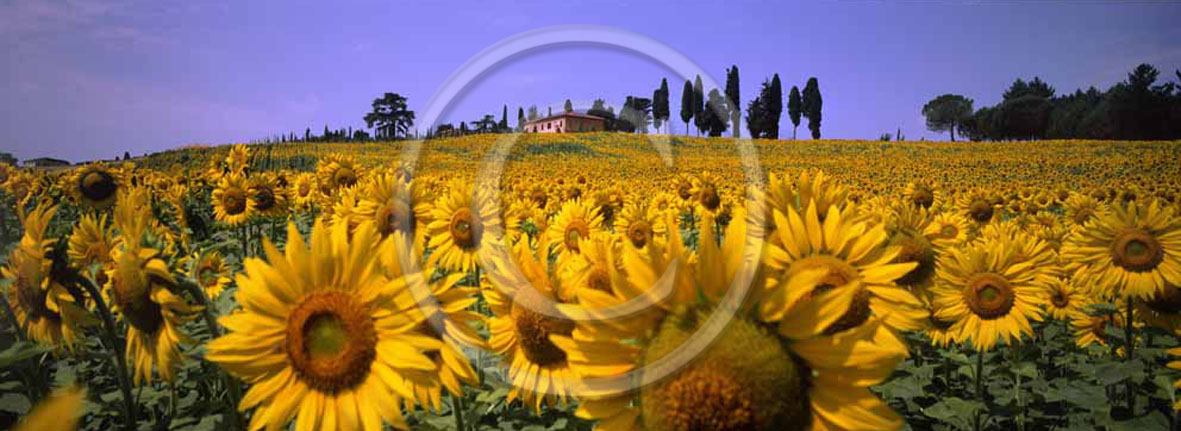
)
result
[(573, 114)]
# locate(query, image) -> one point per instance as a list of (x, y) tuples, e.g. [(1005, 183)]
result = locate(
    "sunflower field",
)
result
[(601, 281)]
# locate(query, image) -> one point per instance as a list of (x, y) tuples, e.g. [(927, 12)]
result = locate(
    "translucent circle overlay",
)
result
[(494, 255)]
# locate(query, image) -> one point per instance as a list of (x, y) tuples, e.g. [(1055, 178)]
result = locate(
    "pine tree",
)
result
[(733, 99), (687, 105), (793, 109)]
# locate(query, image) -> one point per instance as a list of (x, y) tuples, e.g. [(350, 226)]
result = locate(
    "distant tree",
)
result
[(715, 114), (463, 128), (734, 99), (503, 125), (327, 135), (773, 108), (687, 105), (947, 112), (794, 108), (569, 107), (755, 113), (520, 118), (126, 155), (811, 105), (533, 113), (443, 129), (698, 103), (1024, 117), (360, 135), (390, 116), (7, 158), (307, 134), (599, 109), (1035, 87), (549, 111), (660, 111), (485, 125), (1138, 109)]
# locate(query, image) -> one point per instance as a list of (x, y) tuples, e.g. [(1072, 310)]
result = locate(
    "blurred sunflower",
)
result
[(1133, 251), (706, 192), (1163, 310), (640, 224), (232, 202), (389, 201), (989, 293), (750, 377), (321, 336), (59, 412)]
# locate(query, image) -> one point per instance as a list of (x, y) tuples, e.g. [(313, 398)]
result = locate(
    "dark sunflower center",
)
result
[(914, 248), (940, 324), (1167, 301), (97, 185), (639, 232), (1060, 300), (980, 210), (135, 302), (32, 299), (708, 197), (331, 341), (539, 198), (533, 332), (344, 177), (576, 230), (464, 229), (745, 381), (599, 279), (922, 197), (1137, 251), (264, 198), (685, 191), (1083, 215), (234, 201), (391, 217), (207, 276), (989, 296), (949, 231), (857, 314)]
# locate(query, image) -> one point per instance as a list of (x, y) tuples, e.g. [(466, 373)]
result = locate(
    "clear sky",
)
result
[(83, 79)]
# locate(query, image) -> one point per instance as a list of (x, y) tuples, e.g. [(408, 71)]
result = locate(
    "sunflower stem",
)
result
[(120, 362), (1129, 347), (232, 387), (457, 410), (979, 387), (1020, 418)]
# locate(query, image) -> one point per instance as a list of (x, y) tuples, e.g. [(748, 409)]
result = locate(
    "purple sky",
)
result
[(89, 79)]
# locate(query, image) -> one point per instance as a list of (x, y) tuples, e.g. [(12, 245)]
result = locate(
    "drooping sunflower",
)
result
[(853, 254), (233, 203), (212, 274), (139, 285), (576, 220), (458, 222), (322, 336), (91, 242), (521, 334), (1163, 310), (447, 317), (750, 376), (95, 185), (989, 292), (1133, 251), (44, 309)]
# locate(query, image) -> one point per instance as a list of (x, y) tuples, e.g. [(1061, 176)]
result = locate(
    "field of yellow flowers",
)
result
[(553, 282)]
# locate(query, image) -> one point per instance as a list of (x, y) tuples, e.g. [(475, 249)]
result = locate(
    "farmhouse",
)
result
[(566, 122), (45, 162)]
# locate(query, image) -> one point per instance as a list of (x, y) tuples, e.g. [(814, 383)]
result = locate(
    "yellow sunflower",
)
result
[(322, 337), (91, 242), (751, 376), (978, 206), (138, 284), (1065, 300), (269, 199), (1081, 208), (212, 274), (576, 220), (95, 185), (538, 369), (232, 202), (237, 158), (989, 292), (1133, 251), (640, 224), (947, 229), (707, 193), (458, 222), (388, 201), (1163, 310), (336, 171), (44, 309), (304, 190)]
